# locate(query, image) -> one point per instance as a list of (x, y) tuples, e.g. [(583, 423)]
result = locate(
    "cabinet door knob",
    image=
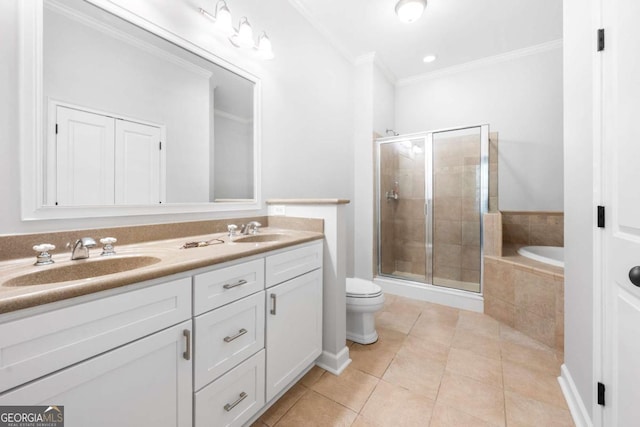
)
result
[(634, 275)]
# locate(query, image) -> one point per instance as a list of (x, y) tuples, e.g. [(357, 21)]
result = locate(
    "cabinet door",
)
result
[(84, 156), (294, 329), (145, 383), (138, 164)]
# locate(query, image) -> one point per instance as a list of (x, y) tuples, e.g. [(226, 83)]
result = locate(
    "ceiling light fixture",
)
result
[(243, 36), (429, 58), (410, 10)]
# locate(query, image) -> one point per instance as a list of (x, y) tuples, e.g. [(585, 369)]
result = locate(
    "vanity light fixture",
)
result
[(410, 10), (243, 36)]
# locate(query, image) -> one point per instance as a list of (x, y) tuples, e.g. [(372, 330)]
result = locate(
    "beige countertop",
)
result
[(172, 260)]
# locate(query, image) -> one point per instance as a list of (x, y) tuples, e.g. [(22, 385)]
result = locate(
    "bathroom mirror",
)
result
[(133, 123)]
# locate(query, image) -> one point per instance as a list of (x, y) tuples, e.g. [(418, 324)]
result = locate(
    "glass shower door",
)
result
[(401, 199), (457, 200)]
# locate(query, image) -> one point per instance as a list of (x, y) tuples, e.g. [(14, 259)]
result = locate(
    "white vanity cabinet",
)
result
[(294, 315), (121, 360)]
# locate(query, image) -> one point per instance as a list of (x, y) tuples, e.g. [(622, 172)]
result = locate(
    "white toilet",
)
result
[(364, 298)]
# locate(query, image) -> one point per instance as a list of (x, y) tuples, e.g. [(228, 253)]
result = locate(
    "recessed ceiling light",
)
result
[(429, 58), (410, 10)]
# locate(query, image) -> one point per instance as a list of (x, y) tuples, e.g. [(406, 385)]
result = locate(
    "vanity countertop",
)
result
[(172, 260)]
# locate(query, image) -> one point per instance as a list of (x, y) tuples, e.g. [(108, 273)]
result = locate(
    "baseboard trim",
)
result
[(438, 295), (576, 406), (334, 363)]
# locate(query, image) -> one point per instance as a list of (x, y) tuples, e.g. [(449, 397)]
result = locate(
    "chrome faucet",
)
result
[(81, 248), (251, 228)]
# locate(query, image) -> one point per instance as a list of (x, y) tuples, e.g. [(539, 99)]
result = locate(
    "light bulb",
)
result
[(410, 10), (429, 58), (244, 36), (264, 48), (223, 19)]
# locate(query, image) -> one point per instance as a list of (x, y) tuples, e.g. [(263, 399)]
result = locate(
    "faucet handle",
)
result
[(233, 230), (44, 257), (254, 227), (107, 249)]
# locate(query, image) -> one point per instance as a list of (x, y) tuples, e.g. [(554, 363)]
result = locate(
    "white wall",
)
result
[(127, 81), (374, 112), (307, 106), (521, 98), (579, 220), (233, 157)]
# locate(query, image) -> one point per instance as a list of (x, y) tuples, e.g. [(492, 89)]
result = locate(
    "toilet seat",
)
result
[(359, 288)]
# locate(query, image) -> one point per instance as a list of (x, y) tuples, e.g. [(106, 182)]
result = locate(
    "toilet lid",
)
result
[(360, 288)]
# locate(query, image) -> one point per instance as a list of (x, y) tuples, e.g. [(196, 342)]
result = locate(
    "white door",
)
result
[(145, 383), (294, 329), (621, 181), (84, 157), (137, 164)]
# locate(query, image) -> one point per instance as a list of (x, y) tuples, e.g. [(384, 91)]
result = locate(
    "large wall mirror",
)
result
[(128, 122)]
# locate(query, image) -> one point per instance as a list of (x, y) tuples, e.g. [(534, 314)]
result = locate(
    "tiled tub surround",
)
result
[(525, 294)]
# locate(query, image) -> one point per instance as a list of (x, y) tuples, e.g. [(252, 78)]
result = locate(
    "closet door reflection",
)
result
[(402, 230)]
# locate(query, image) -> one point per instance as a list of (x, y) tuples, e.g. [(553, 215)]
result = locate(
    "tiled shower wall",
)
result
[(533, 228), (402, 222)]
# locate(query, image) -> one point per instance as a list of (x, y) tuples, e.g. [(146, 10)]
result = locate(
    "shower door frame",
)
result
[(428, 207)]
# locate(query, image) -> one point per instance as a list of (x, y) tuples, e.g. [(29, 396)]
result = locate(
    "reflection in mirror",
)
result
[(132, 119)]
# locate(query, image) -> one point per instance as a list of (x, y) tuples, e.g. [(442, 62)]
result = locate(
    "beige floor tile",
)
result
[(544, 361), (516, 337), (481, 345), (479, 324), (315, 410), (278, 409), (446, 416), (424, 348), (398, 321), (472, 365), (524, 412), (312, 376), (259, 423), (532, 384), (374, 362), (433, 332), (352, 388), (363, 422), (416, 374), (388, 339), (483, 401), (391, 405)]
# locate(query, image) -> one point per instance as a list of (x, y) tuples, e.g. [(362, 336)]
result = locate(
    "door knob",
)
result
[(634, 275)]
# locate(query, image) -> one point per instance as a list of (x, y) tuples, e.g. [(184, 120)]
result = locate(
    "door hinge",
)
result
[(600, 39), (600, 216), (601, 390), (160, 145), (56, 128)]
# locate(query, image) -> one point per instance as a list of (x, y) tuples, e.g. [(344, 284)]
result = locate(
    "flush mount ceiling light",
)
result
[(410, 10), (243, 36), (429, 58)]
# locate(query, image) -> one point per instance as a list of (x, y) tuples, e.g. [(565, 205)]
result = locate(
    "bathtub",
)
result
[(553, 255)]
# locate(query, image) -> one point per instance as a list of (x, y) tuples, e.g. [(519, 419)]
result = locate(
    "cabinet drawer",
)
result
[(233, 398), (226, 336), (287, 265), (40, 344), (219, 287)]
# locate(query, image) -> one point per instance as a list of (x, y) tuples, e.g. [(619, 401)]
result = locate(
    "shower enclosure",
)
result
[(432, 189)]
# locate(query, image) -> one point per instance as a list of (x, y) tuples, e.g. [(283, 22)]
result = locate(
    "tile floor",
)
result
[(432, 366)]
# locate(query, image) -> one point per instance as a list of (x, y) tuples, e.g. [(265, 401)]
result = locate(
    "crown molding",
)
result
[(373, 59), (480, 63), (315, 23)]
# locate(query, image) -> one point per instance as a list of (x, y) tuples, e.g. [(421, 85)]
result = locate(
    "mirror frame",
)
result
[(32, 131)]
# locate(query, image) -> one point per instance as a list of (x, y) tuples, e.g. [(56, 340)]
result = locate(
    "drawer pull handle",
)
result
[(240, 333), (273, 304), (187, 352), (233, 285), (229, 406)]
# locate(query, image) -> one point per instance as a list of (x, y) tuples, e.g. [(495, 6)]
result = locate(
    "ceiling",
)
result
[(457, 31)]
